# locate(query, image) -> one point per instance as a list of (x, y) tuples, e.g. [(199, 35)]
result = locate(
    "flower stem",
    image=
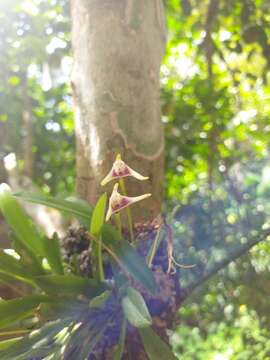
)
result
[(98, 263), (129, 217), (99, 259), (118, 223)]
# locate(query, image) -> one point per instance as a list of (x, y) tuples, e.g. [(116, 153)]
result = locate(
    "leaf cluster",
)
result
[(69, 313)]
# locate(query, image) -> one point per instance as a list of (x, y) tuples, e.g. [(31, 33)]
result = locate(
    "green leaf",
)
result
[(128, 256), (9, 265), (135, 309), (98, 216), (22, 348), (154, 346), (70, 285), (42, 351), (6, 278), (19, 221), (53, 254), (7, 343), (28, 259), (118, 353), (99, 300), (85, 338), (72, 206), (81, 206), (111, 235), (17, 309), (97, 222), (62, 308)]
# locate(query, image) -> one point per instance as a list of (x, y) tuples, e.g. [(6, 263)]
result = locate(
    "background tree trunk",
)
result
[(117, 49)]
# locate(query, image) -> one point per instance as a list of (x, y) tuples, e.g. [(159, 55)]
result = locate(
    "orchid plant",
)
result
[(68, 315), (119, 171)]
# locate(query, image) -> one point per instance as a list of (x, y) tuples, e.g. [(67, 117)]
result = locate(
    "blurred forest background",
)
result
[(215, 90)]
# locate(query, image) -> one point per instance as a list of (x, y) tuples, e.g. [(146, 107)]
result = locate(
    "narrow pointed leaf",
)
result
[(53, 254), (72, 206), (98, 216), (97, 221), (135, 309), (19, 221), (154, 346), (70, 285), (17, 309)]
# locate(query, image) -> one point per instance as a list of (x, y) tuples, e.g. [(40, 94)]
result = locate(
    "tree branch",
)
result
[(212, 269)]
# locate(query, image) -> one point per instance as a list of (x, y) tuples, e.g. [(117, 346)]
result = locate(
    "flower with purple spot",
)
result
[(119, 170), (118, 202)]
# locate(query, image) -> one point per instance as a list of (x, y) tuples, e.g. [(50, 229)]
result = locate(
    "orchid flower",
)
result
[(118, 202), (119, 170)]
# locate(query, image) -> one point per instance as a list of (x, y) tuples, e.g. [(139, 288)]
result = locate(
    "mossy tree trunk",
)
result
[(117, 49)]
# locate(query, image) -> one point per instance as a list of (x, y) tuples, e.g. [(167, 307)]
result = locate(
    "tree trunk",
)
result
[(117, 48)]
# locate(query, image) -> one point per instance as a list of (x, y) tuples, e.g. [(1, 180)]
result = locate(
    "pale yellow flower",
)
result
[(119, 170), (118, 202)]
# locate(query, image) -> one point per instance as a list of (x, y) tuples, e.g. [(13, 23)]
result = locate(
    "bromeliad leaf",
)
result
[(154, 346), (135, 309), (19, 221), (53, 254), (17, 309), (84, 339), (98, 216), (22, 348), (72, 206), (70, 285)]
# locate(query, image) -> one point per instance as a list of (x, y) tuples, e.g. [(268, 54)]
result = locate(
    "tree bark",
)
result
[(117, 49)]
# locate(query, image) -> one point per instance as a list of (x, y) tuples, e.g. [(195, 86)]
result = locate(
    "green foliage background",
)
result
[(215, 104)]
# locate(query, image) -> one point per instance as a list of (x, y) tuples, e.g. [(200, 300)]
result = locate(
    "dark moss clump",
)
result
[(76, 250)]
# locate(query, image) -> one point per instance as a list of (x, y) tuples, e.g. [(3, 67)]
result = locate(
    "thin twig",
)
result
[(129, 217), (155, 246), (171, 260)]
